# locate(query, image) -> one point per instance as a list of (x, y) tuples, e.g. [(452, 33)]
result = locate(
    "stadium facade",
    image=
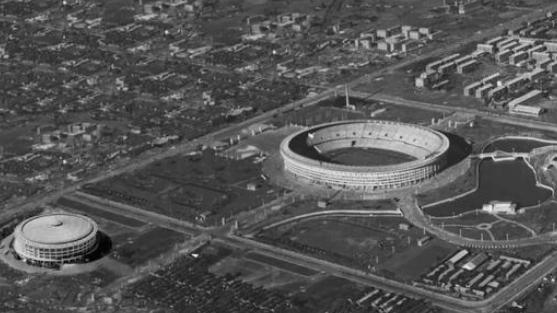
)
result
[(302, 154)]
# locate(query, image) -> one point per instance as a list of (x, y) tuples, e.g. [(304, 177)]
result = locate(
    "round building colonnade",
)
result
[(55, 238)]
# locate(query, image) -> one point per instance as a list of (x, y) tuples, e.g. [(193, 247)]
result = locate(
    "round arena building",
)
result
[(311, 155), (55, 238)]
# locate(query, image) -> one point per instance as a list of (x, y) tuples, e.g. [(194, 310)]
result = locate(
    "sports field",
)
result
[(366, 157)]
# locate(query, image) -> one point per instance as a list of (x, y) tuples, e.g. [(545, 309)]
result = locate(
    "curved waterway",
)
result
[(510, 180), (515, 144)]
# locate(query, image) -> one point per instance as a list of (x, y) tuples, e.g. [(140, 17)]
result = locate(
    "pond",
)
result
[(511, 180), (515, 145)]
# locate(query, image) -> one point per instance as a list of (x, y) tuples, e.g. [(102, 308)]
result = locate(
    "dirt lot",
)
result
[(41, 292), (201, 189), (414, 262), (92, 211), (371, 243), (140, 248)]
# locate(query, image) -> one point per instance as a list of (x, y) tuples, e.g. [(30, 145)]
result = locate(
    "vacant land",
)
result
[(203, 189), (412, 263), (374, 244), (259, 274), (507, 231), (150, 244), (469, 232), (43, 293), (291, 267), (542, 219), (95, 212), (467, 219), (460, 185)]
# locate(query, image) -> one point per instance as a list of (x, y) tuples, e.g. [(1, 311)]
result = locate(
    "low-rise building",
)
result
[(522, 47), (538, 48), (491, 79), (482, 91), (536, 74), (543, 64), (384, 46), (470, 90), (495, 40), (458, 256), (509, 46), (506, 41), (486, 48), (503, 56), (463, 59), (527, 98), (516, 83), (529, 110), (552, 67), (497, 93), (447, 68), (551, 46), (410, 45), (541, 56), (467, 66), (475, 261), (500, 207), (518, 57)]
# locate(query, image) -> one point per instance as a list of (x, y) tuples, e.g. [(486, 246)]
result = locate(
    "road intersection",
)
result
[(410, 210)]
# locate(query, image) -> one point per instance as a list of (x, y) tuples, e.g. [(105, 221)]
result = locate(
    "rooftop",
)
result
[(57, 228)]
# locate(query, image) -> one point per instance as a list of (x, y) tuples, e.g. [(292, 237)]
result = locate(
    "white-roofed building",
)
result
[(55, 238)]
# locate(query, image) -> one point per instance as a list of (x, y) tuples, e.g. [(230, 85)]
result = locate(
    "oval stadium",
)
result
[(327, 154), (55, 238)]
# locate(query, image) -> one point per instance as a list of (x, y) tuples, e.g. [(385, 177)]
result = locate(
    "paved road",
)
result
[(366, 213), (506, 295), (501, 298), (415, 215), (496, 117), (145, 160), (151, 156), (358, 276), (456, 46), (444, 301)]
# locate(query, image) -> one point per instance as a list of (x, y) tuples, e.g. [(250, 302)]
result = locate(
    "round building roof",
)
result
[(57, 228)]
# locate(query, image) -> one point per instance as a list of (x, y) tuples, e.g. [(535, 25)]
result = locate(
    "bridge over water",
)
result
[(502, 155)]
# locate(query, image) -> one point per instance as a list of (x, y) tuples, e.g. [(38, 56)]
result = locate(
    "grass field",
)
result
[(412, 263), (503, 230), (504, 181), (366, 157), (370, 243), (327, 293), (269, 141), (42, 292), (461, 184), (290, 267), (468, 219), (469, 232), (187, 187), (333, 110), (535, 253), (109, 216), (259, 274), (150, 244), (541, 219), (332, 235)]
